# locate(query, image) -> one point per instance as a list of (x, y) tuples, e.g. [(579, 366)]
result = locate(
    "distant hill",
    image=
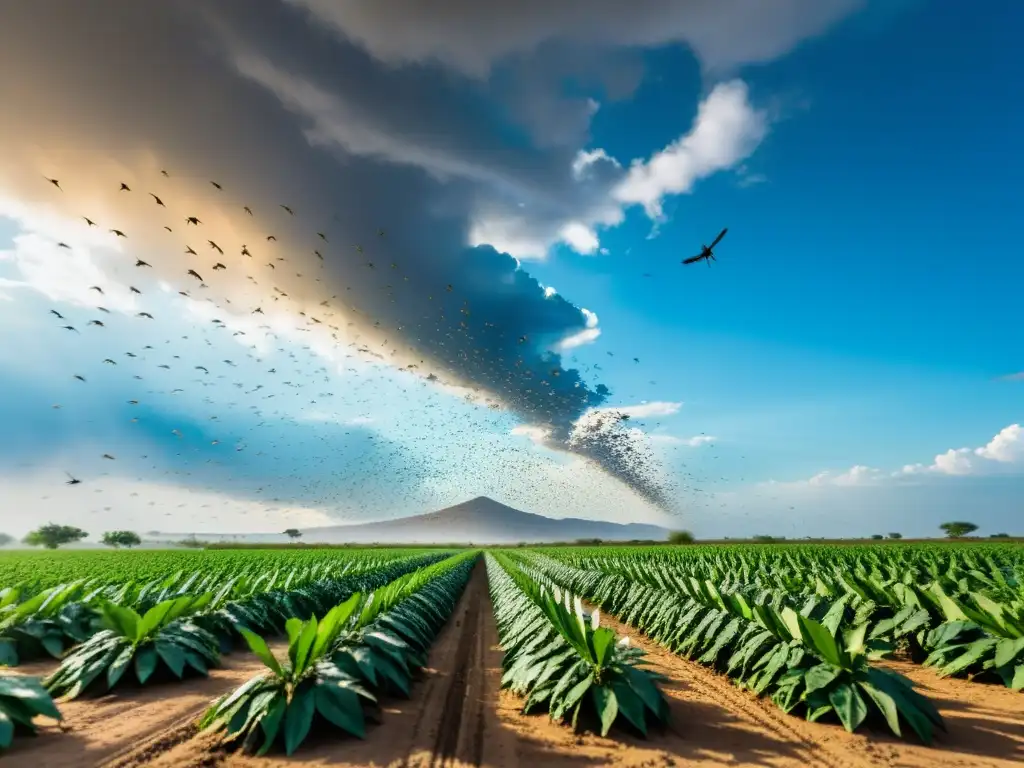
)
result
[(477, 521), (483, 521)]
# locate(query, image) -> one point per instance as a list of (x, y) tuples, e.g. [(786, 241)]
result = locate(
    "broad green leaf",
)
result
[(331, 625), (1007, 650), (122, 620), (293, 627), (854, 639), (303, 645), (259, 647), (341, 707), (153, 618), (603, 641), (576, 692), (629, 705), (6, 730), (145, 662), (1018, 678), (886, 705), (607, 707), (849, 705), (821, 640), (915, 709), (117, 669), (172, 656), (298, 718), (645, 688), (820, 676)]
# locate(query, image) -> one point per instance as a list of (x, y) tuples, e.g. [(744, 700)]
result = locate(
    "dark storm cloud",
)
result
[(281, 109)]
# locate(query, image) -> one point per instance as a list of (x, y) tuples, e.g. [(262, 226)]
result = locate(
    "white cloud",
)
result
[(586, 158), (645, 410), (1006, 449), (38, 261), (698, 440), (508, 234), (586, 336), (580, 237), (596, 418), (537, 435), (549, 291), (727, 130), (589, 334), (955, 461), (857, 475), (692, 442)]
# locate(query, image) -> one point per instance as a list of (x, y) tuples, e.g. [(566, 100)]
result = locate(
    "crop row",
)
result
[(49, 621), (962, 613), (375, 628), (799, 662), (559, 658)]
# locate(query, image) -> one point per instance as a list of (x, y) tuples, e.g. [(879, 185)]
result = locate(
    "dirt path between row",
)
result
[(98, 731), (720, 724), (445, 722)]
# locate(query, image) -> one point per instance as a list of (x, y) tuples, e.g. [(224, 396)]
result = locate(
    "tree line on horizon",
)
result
[(53, 536)]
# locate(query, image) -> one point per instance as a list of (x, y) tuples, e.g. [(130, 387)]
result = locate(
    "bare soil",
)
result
[(458, 716)]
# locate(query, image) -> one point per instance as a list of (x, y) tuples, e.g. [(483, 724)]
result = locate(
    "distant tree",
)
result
[(957, 530), (121, 539), (191, 543), (999, 535), (52, 535), (293, 533), (5, 539), (681, 537), (877, 536), (895, 535)]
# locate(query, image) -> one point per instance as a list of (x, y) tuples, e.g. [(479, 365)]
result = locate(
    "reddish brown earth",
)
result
[(458, 716)]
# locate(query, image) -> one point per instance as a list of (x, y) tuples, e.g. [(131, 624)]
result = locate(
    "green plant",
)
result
[(282, 702), (558, 658), (158, 639), (336, 664), (761, 643), (44, 623), (980, 637), (22, 699)]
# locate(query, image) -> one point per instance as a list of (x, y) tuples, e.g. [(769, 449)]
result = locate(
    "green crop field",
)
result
[(811, 628)]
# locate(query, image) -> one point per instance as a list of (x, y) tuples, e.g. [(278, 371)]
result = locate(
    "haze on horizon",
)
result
[(305, 265)]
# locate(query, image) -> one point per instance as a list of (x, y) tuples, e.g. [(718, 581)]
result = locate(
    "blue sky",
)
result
[(851, 363)]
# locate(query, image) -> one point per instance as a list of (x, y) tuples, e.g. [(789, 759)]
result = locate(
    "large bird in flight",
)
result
[(707, 251)]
